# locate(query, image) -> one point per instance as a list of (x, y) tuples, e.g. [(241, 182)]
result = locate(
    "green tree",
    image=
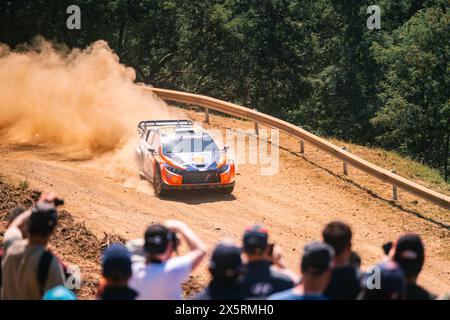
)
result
[(252, 52), (415, 117)]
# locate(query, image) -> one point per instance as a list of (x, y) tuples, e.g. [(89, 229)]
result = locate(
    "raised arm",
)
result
[(196, 246)]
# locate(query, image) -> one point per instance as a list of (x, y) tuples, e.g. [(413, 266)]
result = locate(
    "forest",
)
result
[(314, 63)]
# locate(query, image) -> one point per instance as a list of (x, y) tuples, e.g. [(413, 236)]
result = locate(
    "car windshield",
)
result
[(183, 144)]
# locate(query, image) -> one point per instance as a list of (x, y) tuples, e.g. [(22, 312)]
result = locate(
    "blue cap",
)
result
[(392, 277), (410, 254), (157, 238), (255, 239), (392, 282), (226, 261), (317, 258), (116, 260), (59, 293)]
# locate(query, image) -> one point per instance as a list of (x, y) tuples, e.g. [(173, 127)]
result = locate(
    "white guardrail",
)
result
[(304, 136)]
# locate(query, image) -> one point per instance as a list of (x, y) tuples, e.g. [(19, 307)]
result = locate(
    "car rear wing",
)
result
[(143, 125)]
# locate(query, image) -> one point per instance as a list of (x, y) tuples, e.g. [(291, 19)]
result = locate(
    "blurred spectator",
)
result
[(391, 282), (28, 269), (275, 256), (316, 273), (409, 253), (445, 296), (260, 278), (11, 217), (225, 268), (14, 213), (355, 260), (116, 271), (59, 293), (345, 282), (19, 232), (160, 276)]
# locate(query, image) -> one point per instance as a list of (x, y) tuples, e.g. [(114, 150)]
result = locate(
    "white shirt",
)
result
[(11, 235), (160, 281)]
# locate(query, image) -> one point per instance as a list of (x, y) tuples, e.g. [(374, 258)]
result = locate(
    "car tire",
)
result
[(227, 190), (158, 184)]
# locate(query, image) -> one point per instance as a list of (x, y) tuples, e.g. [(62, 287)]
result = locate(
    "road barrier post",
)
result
[(256, 124), (394, 189), (344, 164), (207, 115)]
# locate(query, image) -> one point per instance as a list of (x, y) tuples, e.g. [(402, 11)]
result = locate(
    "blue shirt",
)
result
[(291, 295), (260, 280), (345, 284)]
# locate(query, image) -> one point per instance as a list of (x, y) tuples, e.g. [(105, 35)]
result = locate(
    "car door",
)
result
[(140, 155), (152, 151), (154, 145), (147, 152)]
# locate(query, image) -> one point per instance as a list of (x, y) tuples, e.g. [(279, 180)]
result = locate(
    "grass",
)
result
[(24, 185), (405, 166)]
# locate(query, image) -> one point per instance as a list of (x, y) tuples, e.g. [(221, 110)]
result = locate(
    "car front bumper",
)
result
[(171, 180), (198, 186)]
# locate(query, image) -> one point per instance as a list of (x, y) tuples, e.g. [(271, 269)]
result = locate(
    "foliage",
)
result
[(415, 112)]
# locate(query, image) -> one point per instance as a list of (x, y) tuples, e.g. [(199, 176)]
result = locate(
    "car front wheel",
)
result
[(158, 185), (227, 190)]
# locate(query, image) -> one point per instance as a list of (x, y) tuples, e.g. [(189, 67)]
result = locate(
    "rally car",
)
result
[(173, 154)]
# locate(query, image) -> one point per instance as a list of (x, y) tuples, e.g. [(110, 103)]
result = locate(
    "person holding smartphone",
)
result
[(158, 275), (261, 278)]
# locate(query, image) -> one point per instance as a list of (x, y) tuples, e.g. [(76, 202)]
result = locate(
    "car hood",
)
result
[(196, 160)]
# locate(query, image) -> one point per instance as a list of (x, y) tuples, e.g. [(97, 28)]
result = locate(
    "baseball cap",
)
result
[(43, 219), (156, 239), (392, 282), (116, 262), (59, 293), (410, 254), (317, 258), (226, 261), (255, 239)]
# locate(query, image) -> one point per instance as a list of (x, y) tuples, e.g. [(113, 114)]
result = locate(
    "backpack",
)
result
[(43, 267)]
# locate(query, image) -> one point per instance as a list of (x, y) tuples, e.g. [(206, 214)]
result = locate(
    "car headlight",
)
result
[(224, 168), (173, 169)]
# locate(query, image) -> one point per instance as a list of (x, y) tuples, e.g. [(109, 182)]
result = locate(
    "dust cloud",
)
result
[(81, 100), (80, 103)]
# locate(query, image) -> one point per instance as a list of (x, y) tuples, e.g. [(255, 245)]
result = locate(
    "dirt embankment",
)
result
[(72, 241)]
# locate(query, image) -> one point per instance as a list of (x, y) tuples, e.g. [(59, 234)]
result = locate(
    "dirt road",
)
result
[(294, 204)]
